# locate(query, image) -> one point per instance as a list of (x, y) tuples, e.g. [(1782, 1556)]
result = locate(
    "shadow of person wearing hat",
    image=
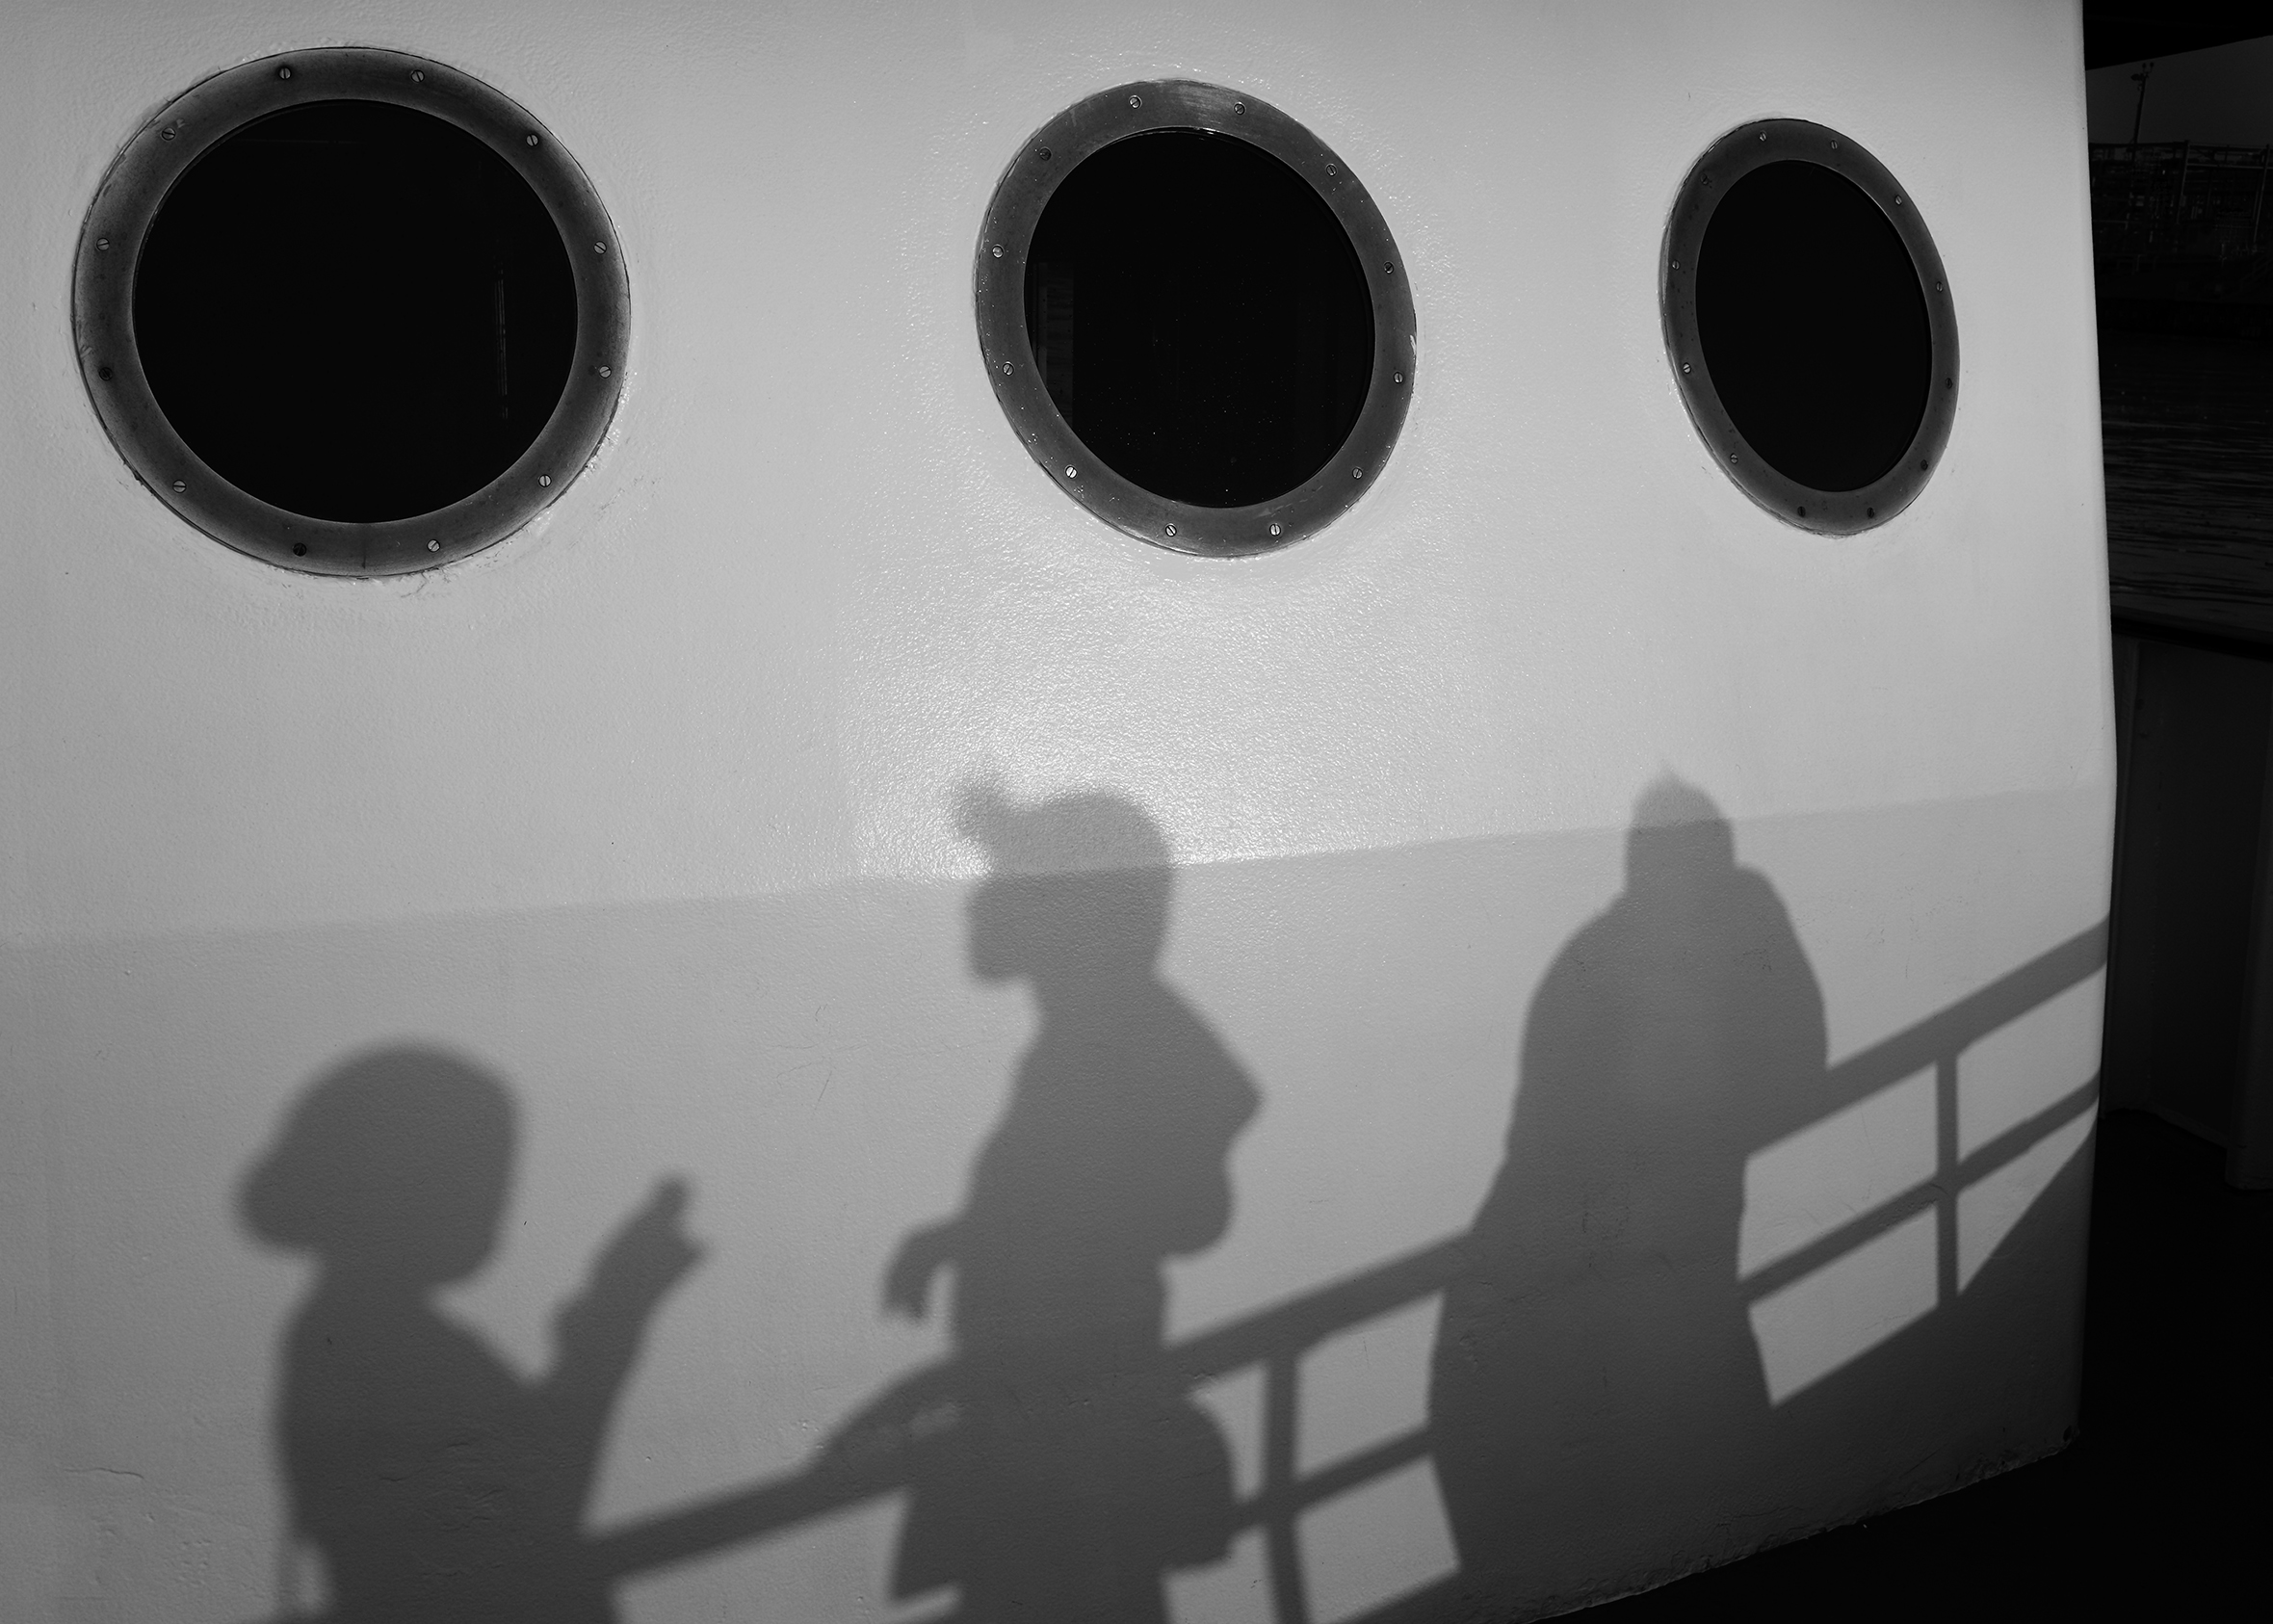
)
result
[(1056, 1467), (434, 1482)]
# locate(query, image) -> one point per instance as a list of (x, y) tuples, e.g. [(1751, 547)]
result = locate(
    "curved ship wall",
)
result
[(819, 1034)]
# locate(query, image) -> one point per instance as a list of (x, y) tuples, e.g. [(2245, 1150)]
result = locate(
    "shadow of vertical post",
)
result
[(1282, 1374), (1945, 1183), (883, 1460)]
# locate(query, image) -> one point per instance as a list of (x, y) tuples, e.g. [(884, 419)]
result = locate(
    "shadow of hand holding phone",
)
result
[(433, 1481)]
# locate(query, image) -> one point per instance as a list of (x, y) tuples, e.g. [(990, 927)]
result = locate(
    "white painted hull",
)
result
[(649, 814)]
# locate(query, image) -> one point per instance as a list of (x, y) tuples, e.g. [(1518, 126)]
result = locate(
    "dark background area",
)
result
[(2157, 1510), (2160, 1509), (2120, 31)]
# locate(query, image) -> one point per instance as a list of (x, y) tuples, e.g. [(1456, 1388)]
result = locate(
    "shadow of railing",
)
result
[(1937, 1043), (1276, 1340)]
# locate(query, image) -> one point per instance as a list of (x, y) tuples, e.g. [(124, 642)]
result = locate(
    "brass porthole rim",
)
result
[(1724, 163), (117, 223), (1032, 177)]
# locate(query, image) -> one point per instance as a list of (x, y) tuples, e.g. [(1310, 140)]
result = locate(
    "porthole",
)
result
[(1195, 317), (1810, 326), (351, 311)]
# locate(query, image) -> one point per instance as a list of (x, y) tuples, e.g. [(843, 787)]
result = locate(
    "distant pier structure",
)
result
[(2181, 237)]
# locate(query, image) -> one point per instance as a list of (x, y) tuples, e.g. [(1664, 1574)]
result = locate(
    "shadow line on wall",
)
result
[(1673, 1094)]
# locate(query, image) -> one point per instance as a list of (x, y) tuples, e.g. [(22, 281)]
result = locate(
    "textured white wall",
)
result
[(649, 809)]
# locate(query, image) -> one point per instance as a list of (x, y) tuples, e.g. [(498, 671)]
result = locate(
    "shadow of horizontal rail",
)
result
[(876, 1464), (876, 1455), (1277, 1337), (1943, 1034)]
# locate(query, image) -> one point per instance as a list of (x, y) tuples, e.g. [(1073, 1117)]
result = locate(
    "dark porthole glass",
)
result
[(1810, 321), (356, 310), (1810, 317), (1195, 318), (351, 311), (1222, 379)]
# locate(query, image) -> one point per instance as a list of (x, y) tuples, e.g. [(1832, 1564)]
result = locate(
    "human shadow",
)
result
[(1597, 1396), (433, 1481), (1057, 1468)]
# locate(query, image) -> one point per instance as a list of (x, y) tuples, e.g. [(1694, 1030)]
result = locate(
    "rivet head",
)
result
[(1677, 265), (1070, 472), (284, 73), (1136, 101), (530, 138), (1239, 108), (103, 372), (103, 243), (1937, 287), (544, 479), (1922, 464), (300, 549), (182, 485), (606, 372), (1006, 369), (167, 134), (1834, 147), (998, 252), (1275, 530), (1331, 169), (1684, 366), (1898, 202), (1732, 457), (1389, 267), (417, 76), (1397, 378), (1044, 153), (1171, 530), (433, 546), (1357, 473), (1764, 135)]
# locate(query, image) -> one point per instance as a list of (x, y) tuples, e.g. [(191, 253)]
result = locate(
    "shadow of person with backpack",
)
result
[(1056, 1467), (1598, 1396)]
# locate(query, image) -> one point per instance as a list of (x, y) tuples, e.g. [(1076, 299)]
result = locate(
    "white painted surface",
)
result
[(649, 811), (1376, 1544), (1835, 1315), (1989, 1210), (2028, 1065), (1831, 1172), (1365, 1386)]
